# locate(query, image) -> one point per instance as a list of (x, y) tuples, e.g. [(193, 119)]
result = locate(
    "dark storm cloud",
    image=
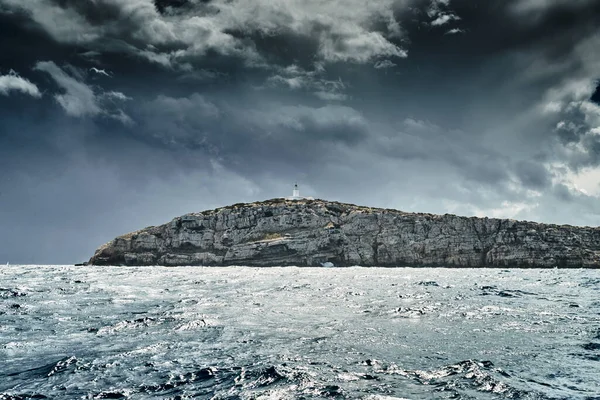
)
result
[(544, 61), (248, 139), (556, 27), (427, 142), (226, 28), (147, 110), (170, 6), (551, 28), (596, 95), (310, 139), (533, 175)]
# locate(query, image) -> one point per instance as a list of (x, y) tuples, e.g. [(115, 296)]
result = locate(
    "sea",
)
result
[(70, 332)]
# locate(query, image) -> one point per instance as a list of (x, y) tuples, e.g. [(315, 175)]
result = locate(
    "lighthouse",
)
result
[(296, 194)]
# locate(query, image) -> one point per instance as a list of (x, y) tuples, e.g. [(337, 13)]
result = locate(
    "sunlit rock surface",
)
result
[(317, 232)]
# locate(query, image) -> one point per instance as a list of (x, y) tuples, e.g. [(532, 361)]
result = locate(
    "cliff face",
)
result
[(311, 232)]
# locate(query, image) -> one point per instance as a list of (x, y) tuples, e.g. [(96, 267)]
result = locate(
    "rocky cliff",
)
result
[(313, 232)]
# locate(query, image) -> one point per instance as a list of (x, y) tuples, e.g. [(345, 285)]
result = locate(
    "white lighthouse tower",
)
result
[(296, 194)]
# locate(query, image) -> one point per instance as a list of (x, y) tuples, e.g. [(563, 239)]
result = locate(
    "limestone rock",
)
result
[(317, 232)]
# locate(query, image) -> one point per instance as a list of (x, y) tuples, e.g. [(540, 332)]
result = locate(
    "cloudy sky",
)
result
[(119, 114)]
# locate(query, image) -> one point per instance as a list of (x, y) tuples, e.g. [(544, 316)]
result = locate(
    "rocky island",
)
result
[(308, 232)]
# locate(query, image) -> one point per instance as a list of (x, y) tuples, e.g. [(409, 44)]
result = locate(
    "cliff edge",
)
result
[(317, 232)]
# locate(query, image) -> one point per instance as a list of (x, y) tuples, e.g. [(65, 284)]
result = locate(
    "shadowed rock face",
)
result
[(311, 232)]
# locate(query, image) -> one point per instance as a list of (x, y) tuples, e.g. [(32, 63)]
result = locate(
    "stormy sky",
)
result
[(119, 114)]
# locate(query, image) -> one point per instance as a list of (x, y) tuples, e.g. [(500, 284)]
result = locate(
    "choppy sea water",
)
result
[(298, 333)]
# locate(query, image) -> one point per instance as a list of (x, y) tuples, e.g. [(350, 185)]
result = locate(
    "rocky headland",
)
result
[(282, 232)]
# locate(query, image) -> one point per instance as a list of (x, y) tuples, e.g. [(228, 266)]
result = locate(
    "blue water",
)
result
[(292, 333)]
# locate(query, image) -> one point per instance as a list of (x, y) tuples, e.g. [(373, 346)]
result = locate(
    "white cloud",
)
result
[(296, 78), (91, 55), (329, 96), (13, 82), (100, 71), (120, 116), (578, 89), (440, 14), (116, 96), (182, 108), (551, 107), (454, 31), (565, 104), (343, 29), (358, 47), (384, 64), (586, 181), (301, 118), (78, 99), (294, 82), (62, 23), (443, 19), (507, 209)]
